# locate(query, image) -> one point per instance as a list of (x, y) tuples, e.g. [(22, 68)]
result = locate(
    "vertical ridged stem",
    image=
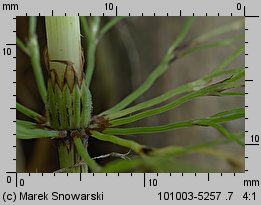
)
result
[(68, 104)]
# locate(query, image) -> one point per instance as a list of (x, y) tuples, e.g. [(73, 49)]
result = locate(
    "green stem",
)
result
[(68, 158), (68, 99)]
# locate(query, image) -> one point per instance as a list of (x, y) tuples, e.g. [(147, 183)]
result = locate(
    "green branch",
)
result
[(173, 151), (219, 31), (189, 87), (229, 59), (162, 155), (119, 141), (217, 118), (226, 42), (31, 48), (210, 121), (28, 112), (90, 30), (22, 46), (110, 24), (163, 66), (192, 86), (224, 29), (34, 50), (213, 90), (28, 130)]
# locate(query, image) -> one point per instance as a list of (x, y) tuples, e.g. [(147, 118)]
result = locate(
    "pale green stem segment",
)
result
[(64, 44), (155, 74), (59, 48), (69, 99), (85, 155), (34, 52), (32, 26), (28, 112)]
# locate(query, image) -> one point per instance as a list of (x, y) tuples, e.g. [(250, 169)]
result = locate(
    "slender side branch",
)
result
[(226, 42), (85, 155), (140, 149), (198, 40), (229, 59), (90, 30), (29, 130), (34, 51), (29, 113), (189, 87), (85, 26), (110, 24), (22, 46), (160, 155), (212, 90), (210, 121), (219, 31), (163, 66)]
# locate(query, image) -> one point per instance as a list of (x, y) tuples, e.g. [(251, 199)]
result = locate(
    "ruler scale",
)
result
[(130, 188)]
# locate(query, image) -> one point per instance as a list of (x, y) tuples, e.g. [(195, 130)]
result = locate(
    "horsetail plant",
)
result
[(68, 102)]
